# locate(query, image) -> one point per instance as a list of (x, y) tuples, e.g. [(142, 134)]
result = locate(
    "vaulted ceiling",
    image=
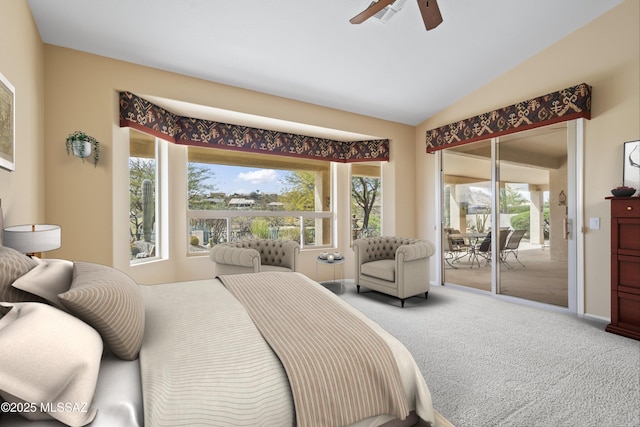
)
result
[(307, 50)]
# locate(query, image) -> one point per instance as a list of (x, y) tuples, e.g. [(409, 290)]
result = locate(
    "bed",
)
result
[(100, 350)]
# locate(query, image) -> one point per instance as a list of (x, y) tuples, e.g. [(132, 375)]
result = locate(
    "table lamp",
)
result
[(32, 240)]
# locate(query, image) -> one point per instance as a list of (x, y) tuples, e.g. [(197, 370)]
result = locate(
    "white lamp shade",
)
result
[(30, 239)]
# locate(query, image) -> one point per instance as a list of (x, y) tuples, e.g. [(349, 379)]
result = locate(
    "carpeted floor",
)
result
[(492, 363)]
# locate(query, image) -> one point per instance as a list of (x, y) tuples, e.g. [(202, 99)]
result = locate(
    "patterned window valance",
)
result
[(567, 104), (138, 113)]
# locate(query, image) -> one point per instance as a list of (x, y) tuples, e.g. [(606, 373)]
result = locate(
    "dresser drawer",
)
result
[(629, 311), (626, 271), (628, 207), (627, 236)]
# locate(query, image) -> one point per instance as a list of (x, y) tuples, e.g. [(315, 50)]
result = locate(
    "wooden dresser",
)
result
[(625, 267)]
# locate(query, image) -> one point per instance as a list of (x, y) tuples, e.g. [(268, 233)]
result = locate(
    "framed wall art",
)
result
[(631, 169), (7, 124)]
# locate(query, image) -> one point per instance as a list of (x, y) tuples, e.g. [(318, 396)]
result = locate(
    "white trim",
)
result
[(162, 199), (439, 195), (579, 187), (575, 212), (495, 215), (573, 229)]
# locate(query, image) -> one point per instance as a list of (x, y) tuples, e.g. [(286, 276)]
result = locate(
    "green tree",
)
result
[(199, 186), (510, 198), (364, 193), (299, 191)]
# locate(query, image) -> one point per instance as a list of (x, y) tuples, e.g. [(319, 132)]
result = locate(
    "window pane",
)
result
[(204, 233), (223, 187), (142, 197), (258, 196), (223, 181), (265, 228), (366, 200)]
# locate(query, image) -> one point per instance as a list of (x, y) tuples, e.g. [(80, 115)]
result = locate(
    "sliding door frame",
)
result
[(575, 213)]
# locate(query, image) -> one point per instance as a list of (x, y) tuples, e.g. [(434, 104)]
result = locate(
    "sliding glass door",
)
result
[(507, 220), (467, 214), (533, 203)]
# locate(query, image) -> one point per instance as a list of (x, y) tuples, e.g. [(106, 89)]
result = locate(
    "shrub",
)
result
[(260, 228), (134, 250), (290, 233), (194, 241), (522, 221)]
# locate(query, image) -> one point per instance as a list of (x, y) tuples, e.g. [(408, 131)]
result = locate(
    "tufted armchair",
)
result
[(254, 255), (393, 265)]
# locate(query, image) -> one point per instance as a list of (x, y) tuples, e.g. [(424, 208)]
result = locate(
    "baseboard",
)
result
[(598, 318)]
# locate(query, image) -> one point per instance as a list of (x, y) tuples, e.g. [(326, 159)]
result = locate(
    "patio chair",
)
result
[(458, 242), (452, 252), (512, 245), (484, 248)]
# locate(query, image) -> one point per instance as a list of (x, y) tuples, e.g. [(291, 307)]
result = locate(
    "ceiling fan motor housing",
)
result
[(387, 13)]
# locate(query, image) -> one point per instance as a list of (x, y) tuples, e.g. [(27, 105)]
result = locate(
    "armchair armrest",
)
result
[(414, 251), (290, 251), (241, 257)]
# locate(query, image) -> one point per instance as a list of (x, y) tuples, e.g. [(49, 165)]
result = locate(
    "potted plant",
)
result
[(82, 145)]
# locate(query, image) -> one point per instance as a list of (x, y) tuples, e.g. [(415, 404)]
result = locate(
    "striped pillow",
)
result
[(48, 279), (111, 302), (13, 265)]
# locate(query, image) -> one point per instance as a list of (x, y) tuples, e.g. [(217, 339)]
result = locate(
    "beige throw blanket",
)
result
[(343, 371)]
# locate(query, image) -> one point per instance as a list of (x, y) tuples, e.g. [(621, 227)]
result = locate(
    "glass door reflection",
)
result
[(467, 215), (526, 252), (533, 260)]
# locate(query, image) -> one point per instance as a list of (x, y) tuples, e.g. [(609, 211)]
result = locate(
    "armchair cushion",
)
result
[(383, 269)]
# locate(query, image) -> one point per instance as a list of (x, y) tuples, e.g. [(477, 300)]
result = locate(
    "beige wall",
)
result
[(91, 204), (22, 63), (604, 54)]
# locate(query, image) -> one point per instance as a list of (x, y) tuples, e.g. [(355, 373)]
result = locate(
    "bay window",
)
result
[(236, 195)]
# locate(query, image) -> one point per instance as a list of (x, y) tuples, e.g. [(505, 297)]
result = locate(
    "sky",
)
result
[(244, 180)]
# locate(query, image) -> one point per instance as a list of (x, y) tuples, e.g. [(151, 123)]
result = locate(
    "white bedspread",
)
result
[(203, 362)]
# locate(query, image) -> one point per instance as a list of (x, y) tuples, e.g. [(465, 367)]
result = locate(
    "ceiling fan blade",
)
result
[(370, 11), (430, 13)]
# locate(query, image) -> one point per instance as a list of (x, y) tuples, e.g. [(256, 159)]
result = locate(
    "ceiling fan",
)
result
[(428, 8)]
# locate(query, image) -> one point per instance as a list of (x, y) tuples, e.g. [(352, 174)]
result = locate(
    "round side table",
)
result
[(331, 284)]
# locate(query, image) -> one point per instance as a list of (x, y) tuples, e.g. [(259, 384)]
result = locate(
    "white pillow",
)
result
[(47, 279), (49, 357)]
